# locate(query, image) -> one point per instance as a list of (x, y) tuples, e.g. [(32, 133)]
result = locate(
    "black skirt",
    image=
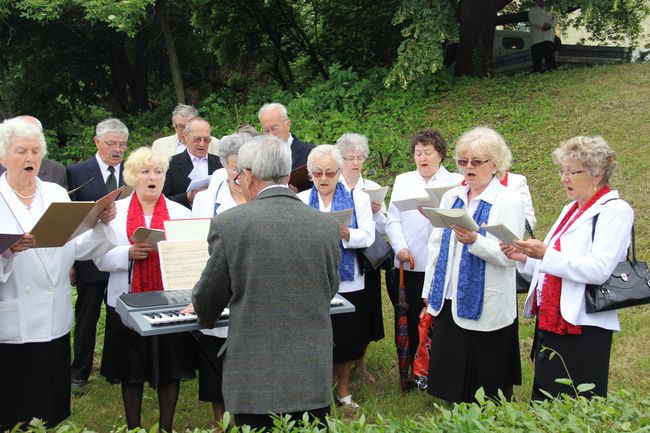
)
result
[(462, 361), (131, 358), (371, 319), (210, 368), (35, 382), (586, 357), (345, 327)]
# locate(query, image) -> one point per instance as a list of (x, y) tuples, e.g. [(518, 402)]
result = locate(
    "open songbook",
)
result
[(501, 232), (444, 218), (378, 194), (431, 200)]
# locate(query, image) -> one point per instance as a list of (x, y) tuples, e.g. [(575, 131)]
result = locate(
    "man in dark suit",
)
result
[(275, 121), (275, 261), (94, 177), (195, 160)]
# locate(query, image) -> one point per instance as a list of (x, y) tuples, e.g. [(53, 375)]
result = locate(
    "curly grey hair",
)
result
[(595, 155), (230, 145), (16, 127), (324, 150), (353, 142)]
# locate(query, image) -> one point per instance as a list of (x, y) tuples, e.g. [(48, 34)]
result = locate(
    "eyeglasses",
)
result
[(570, 173), (197, 140), (327, 174), (354, 158), (233, 170), (237, 179), (115, 145), (471, 162), (179, 127)]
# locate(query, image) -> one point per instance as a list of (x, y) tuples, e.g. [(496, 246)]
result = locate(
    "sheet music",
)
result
[(501, 232), (444, 218), (195, 174), (344, 217), (182, 262), (187, 229), (378, 194), (437, 192), (200, 183), (413, 203)]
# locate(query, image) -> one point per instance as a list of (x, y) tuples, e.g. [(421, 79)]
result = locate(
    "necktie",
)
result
[(111, 182)]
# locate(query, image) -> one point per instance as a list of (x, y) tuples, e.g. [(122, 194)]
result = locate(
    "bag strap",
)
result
[(529, 229), (632, 244)]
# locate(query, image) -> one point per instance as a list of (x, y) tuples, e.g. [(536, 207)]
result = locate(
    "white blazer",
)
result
[(582, 261), (499, 299), (519, 183), (361, 237), (116, 261), (35, 292), (166, 146), (379, 217), (410, 229)]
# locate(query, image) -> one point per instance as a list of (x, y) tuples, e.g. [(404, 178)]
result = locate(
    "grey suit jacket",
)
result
[(275, 260)]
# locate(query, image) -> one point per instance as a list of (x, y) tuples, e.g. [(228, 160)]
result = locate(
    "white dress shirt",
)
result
[(361, 237), (103, 167), (410, 229)]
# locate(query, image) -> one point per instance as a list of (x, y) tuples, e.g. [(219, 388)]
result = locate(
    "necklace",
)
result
[(26, 197)]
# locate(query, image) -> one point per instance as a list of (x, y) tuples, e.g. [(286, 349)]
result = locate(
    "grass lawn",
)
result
[(533, 113)]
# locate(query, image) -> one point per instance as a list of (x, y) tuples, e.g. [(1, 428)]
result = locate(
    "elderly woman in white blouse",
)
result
[(210, 203), (408, 231), (354, 149), (130, 359), (35, 293), (329, 195)]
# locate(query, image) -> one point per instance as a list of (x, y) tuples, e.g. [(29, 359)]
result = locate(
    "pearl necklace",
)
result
[(26, 197)]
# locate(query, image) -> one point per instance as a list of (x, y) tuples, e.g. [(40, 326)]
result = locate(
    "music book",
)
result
[(444, 218), (148, 236), (10, 230), (437, 192), (378, 194), (182, 262), (413, 203), (187, 229), (343, 217), (501, 232), (299, 178), (64, 221)]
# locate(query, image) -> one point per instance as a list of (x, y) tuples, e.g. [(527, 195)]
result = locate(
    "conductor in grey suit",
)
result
[(275, 261)]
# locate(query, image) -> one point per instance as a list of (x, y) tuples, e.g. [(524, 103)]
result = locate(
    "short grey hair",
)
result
[(230, 145), (183, 110), (594, 153), (273, 106), (248, 130), (16, 127), (30, 119), (353, 142), (486, 140), (188, 127), (268, 158), (322, 151), (115, 126)]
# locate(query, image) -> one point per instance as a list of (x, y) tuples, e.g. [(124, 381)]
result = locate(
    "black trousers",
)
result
[(87, 310), (257, 421), (544, 50)]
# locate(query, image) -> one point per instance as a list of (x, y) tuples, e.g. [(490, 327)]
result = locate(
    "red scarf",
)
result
[(146, 273), (549, 314)]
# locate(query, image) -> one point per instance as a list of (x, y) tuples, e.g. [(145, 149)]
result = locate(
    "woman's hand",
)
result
[(463, 235), (140, 251), (512, 253), (376, 206), (404, 255), (345, 232), (108, 214), (24, 243), (533, 248)]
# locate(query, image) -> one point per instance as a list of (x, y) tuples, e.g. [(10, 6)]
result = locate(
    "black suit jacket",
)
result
[(78, 174), (299, 152), (176, 180), (51, 171)]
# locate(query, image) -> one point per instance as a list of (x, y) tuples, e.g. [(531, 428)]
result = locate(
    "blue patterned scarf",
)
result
[(342, 200), (471, 278)]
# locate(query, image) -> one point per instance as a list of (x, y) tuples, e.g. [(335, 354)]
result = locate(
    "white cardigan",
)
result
[(116, 261), (361, 237), (582, 261), (499, 301), (35, 292)]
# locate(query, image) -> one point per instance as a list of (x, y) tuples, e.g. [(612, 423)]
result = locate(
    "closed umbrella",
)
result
[(401, 330)]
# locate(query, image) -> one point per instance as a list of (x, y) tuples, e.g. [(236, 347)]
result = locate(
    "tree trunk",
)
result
[(139, 90), (120, 74), (174, 64)]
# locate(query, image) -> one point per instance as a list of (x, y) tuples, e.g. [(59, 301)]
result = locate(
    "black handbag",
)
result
[(627, 286), (376, 254)]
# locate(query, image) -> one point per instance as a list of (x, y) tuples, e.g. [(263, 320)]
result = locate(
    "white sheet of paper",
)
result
[(195, 174), (501, 232), (10, 229), (444, 218), (187, 229), (200, 183), (437, 192), (413, 203), (344, 217), (378, 194), (182, 262)]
